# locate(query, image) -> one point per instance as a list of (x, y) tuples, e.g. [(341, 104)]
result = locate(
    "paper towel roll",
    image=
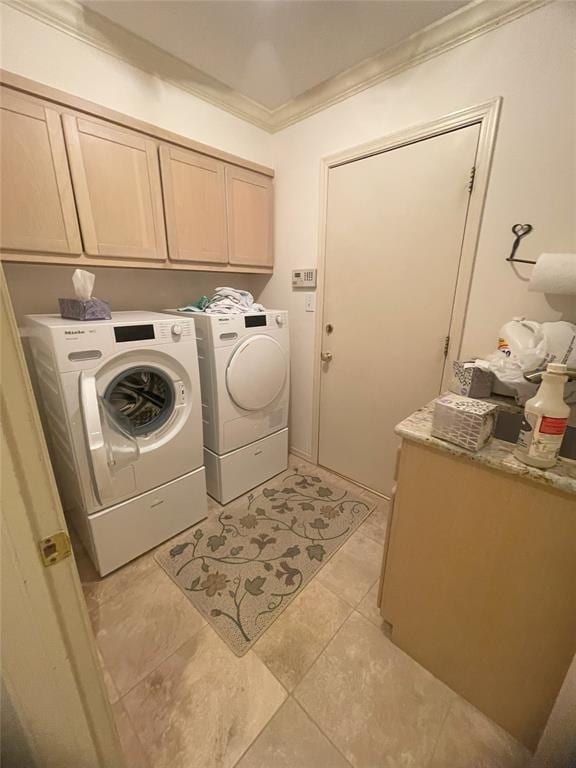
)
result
[(554, 273)]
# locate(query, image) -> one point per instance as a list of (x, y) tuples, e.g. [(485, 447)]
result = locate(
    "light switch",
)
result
[(310, 302)]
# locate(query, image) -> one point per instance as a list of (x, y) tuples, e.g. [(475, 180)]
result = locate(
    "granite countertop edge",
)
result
[(497, 454)]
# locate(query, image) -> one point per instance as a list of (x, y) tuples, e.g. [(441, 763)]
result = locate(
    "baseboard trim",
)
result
[(301, 455)]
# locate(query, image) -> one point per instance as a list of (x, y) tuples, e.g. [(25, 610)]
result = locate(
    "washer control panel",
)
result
[(174, 331)]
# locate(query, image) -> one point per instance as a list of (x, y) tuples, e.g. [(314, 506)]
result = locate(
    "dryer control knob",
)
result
[(279, 320), (177, 330)]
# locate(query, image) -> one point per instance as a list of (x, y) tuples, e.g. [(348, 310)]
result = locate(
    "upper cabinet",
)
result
[(83, 185), (250, 216), (195, 206), (37, 205), (118, 192)]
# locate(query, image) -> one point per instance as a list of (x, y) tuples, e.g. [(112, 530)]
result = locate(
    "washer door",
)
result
[(142, 398), (256, 373)]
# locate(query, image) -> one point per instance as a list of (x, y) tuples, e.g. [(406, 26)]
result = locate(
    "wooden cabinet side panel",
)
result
[(195, 206), (250, 217), (479, 584), (37, 208)]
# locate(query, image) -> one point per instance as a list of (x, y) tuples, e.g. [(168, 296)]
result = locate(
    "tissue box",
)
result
[(463, 421), (470, 380), (92, 309)]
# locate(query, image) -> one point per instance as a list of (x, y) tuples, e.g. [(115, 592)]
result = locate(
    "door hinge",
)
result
[(55, 548), (446, 345), (471, 179)]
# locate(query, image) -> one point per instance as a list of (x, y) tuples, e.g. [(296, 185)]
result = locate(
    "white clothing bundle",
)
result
[(227, 301), (230, 301)]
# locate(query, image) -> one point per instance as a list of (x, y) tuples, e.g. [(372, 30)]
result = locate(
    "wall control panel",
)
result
[(304, 278)]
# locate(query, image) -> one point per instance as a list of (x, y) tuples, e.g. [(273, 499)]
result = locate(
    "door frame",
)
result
[(49, 658), (487, 116)]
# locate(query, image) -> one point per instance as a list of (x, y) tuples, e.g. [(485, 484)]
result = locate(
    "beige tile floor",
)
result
[(322, 688)]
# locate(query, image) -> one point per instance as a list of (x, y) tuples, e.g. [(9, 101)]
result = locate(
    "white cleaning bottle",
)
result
[(545, 420)]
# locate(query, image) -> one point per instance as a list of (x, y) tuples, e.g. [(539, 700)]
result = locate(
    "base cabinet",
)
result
[(479, 584)]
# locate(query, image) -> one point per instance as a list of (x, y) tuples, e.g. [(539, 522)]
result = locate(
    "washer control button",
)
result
[(177, 330), (279, 320)]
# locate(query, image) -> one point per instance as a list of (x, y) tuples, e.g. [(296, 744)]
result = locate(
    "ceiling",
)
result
[(273, 51)]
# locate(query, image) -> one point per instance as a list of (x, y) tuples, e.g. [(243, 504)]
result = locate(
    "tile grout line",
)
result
[(206, 626), (290, 694), (136, 734), (326, 644), (265, 726), (354, 607), (169, 656), (440, 729), (298, 704), (276, 714), (312, 719), (134, 580)]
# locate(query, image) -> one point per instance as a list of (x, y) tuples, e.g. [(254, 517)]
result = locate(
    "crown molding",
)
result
[(83, 24), (475, 19)]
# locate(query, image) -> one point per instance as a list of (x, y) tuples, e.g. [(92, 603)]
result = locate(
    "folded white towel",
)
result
[(230, 301)]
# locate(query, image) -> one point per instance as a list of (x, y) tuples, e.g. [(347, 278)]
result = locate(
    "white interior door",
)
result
[(395, 225), (57, 711)]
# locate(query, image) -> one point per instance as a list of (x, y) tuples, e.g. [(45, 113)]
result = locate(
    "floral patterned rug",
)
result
[(244, 565)]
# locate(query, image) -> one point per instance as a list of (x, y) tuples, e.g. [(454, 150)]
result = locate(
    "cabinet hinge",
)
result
[(55, 548), (471, 179), (446, 345)]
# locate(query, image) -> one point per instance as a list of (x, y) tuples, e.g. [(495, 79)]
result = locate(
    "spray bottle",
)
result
[(545, 420)]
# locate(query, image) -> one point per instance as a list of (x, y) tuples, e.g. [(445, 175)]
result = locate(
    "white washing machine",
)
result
[(120, 401), (245, 379)]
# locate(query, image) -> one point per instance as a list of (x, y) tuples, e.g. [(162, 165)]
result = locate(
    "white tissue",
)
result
[(554, 273), (83, 284)]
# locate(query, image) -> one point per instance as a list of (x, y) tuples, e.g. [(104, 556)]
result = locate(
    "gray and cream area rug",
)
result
[(245, 564)]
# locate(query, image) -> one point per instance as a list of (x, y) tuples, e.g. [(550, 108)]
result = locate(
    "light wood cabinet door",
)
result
[(250, 230), (195, 206), (37, 204), (116, 179)]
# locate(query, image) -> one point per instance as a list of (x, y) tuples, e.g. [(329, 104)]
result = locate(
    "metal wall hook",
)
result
[(520, 230)]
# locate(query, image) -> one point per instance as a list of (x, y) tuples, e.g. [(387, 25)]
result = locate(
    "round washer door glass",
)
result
[(256, 373), (142, 397)]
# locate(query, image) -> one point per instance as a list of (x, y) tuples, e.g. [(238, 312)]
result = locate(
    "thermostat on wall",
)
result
[(304, 278)]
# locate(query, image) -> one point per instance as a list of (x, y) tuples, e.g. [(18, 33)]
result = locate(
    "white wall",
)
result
[(36, 288), (531, 63)]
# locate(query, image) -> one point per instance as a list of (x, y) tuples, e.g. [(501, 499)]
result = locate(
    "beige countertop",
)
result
[(497, 454)]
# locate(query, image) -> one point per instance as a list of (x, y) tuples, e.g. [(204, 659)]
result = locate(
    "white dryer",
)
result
[(245, 379), (120, 401)]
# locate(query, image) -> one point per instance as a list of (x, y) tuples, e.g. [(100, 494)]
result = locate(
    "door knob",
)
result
[(326, 357)]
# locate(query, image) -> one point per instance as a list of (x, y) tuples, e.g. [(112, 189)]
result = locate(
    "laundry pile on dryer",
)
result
[(225, 301)]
